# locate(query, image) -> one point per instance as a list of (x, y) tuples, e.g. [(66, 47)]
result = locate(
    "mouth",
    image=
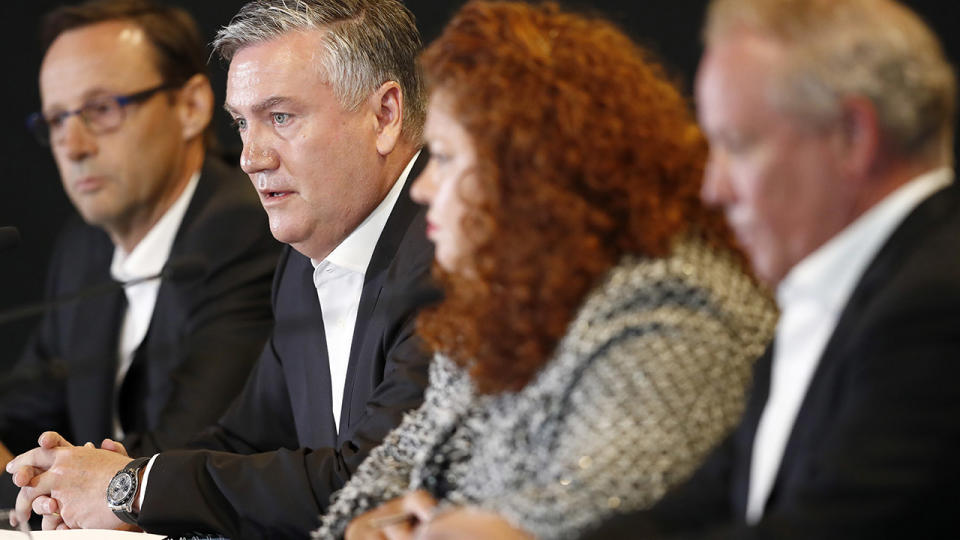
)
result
[(88, 184), (271, 189), (268, 197)]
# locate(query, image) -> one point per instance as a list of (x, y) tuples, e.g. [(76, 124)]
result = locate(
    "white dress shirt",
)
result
[(146, 259), (339, 282), (811, 298)]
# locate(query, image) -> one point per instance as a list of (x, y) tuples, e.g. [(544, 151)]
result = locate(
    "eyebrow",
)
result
[(93, 93), (266, 104)]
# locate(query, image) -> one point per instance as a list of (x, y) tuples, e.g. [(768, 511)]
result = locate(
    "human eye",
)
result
[(98, 109), (55, 119), (738, 143), (438, 156), (239, 124), (280, 119)]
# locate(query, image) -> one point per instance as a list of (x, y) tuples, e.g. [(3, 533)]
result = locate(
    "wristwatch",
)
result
[(122, 490)]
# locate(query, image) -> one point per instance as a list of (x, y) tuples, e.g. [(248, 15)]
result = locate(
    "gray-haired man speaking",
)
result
[(327, 100)]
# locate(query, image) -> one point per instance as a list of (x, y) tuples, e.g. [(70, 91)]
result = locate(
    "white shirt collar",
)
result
[(152, 252), (356, 250), (829, 274)]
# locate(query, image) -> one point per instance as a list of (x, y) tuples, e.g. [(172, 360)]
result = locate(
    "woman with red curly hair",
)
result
[(597, 329)]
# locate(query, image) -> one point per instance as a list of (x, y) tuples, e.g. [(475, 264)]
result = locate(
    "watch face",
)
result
[(121, 489)]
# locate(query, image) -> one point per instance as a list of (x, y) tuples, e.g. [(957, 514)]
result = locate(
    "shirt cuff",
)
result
[(143, 485)]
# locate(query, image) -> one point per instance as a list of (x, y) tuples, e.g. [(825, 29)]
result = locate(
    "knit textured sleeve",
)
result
[(385, 474), (661, 379)]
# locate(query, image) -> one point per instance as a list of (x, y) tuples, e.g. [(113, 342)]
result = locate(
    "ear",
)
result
[(195, 106), (387, 105), (861, 138)]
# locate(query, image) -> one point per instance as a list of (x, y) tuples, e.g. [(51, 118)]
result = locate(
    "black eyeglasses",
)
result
[(100, 115)]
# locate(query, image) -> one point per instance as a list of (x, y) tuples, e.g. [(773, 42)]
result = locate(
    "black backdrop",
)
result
[(30, 193)]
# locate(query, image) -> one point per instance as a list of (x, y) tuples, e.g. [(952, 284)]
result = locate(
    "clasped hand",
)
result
[(67, 484)]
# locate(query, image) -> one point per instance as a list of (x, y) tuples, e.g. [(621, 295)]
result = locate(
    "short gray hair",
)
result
[(367, 43), (877, 49)]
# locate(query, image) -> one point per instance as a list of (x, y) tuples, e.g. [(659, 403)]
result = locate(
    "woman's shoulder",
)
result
[(694, 279), (696, 296)]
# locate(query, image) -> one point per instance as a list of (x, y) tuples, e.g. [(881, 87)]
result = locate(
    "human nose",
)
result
[(75, 138), (257, 156), (424, 188), (716, 189)]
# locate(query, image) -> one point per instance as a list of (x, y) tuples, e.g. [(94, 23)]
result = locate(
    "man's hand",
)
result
[(70, 480), (114, 446), (24, 475)]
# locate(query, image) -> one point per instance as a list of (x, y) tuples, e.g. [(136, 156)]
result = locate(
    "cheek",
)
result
[(455, 218), (758, 185), (448, 208), (63, 165)]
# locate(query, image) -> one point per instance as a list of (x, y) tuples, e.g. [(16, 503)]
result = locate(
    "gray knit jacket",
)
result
[(649, 377)]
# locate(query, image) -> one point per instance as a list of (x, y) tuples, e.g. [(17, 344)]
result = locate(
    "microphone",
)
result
[(9, 238), (181, 269)]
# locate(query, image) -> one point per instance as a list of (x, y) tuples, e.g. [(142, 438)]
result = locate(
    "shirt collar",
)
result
[(828, 275), (356, 250), (151, 253)]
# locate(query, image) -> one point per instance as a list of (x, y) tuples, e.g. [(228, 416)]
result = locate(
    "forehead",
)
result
[(439, 113), (113, 56), (736, 78), (288, 66)]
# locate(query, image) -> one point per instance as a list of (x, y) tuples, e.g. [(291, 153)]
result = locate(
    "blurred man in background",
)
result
[(126, 111), (831, 131)]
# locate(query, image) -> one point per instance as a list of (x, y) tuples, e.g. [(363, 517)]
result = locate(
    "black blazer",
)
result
[(285, 456), (875, 449), (202, 342)]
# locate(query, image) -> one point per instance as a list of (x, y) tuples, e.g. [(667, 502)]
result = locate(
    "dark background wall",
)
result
[(30, 193)]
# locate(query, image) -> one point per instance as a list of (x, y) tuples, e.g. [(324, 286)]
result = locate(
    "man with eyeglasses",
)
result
[(126, 110)]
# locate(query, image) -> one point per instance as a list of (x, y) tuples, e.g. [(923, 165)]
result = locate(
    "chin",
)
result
[(446, 260), (286, 230), (446, 265), (768, 272), (97, 217)]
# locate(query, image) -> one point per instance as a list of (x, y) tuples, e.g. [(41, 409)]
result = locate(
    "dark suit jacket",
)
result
[(875, 449), (204, 336), (278, 456)]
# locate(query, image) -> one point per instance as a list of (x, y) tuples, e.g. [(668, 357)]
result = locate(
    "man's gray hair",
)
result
[(837, 49), (367, 43)]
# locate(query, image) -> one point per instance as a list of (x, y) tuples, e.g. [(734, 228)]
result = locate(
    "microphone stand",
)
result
[(183, 269)]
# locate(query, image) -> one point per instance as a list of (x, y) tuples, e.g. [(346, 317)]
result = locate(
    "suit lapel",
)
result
[(131, 407), (316, 371), (384, 254), (747, 431), (93, 369)]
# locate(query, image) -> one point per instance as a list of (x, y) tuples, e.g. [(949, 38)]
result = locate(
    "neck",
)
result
[(128, 234), (889, 177)]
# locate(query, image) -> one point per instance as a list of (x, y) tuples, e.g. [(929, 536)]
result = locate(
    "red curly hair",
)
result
[(585, 153)]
